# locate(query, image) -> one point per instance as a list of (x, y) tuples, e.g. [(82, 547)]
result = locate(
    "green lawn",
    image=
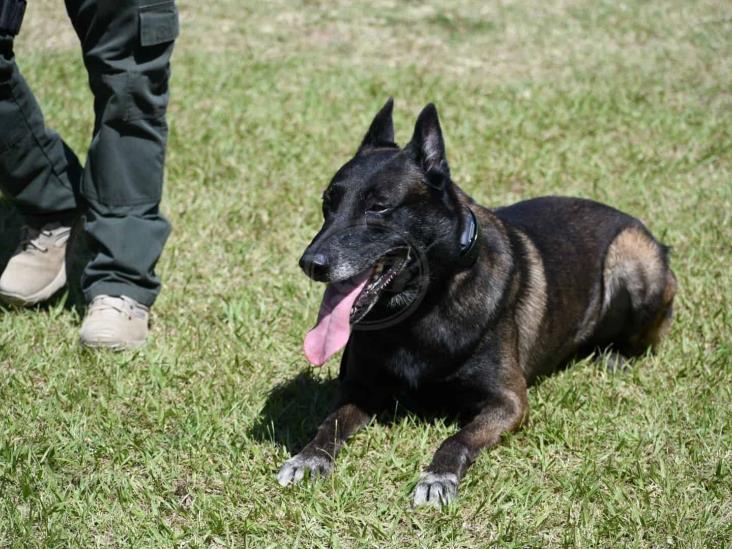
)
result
[(628, 103)]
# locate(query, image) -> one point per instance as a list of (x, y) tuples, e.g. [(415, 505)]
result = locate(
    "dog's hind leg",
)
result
[(639, 283), (661, 321), (438, 485)]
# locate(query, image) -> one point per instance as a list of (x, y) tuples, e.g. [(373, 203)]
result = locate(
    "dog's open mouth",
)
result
[(348, 301), (383, 273)]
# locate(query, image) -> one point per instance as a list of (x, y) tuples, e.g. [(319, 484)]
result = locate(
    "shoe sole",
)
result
[(40, 296), (116, 347)]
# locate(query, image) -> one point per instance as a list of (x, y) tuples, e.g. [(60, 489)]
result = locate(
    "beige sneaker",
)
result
[(115, 323), (38, 269)]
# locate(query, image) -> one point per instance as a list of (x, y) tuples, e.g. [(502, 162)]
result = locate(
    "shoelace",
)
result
[(119, 305), (104, 304), (29, 239)]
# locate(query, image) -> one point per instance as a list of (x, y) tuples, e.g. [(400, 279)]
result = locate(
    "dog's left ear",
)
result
[(428, 148), (381, 131)]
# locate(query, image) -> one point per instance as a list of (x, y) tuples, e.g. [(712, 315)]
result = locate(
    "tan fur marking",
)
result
[(635, 259), (531, 305)]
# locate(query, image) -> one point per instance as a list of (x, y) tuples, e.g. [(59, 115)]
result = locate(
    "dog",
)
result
[(456, 308)]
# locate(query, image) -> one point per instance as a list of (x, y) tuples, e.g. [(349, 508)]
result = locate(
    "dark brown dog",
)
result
[(457, 308)]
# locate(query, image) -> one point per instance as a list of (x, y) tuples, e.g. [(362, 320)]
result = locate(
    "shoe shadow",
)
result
[(294, 410), (10, 224), (77, 257)]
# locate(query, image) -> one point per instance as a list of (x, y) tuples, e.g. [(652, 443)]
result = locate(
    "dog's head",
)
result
[(393, 222)]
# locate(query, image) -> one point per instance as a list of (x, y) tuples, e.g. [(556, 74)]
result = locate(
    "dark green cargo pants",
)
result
[(127, 46)]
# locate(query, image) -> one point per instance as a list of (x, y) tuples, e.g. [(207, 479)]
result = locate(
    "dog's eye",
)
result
[(377, 208)]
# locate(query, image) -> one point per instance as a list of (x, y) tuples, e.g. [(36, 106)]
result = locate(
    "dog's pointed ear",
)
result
[(428, 147), (381, 131)]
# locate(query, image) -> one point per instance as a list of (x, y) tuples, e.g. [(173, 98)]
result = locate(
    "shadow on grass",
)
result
[(77, 258), (10, 224), (294, 410)]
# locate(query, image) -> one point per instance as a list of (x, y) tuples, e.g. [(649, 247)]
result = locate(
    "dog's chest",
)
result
[(428, 374), (433, 385)]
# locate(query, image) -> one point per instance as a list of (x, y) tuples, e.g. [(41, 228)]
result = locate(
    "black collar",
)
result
[(469, 241)]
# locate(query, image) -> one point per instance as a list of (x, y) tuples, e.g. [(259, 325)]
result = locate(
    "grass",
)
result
[(628, 103)]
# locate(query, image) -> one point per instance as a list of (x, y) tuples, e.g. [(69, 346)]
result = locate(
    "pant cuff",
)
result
[(65, 217), (117, 289)]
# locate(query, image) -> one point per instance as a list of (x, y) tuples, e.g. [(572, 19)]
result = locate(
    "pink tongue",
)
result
[(333, 329)]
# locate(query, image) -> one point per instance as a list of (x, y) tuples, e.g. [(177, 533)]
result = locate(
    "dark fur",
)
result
[(554, 278)]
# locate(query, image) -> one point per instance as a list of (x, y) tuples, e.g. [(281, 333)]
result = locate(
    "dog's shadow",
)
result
[(294, 410)]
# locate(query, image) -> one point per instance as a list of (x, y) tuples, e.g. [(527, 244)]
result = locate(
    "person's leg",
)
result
[(127, 46), (38, 172), (40, 176)]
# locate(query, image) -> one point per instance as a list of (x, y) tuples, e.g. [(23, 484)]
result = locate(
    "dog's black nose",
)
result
[(315, 265)]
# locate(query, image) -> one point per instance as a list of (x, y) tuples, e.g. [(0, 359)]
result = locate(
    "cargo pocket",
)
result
[(19, 154), (14, 127), (126, 170), (158, 23)]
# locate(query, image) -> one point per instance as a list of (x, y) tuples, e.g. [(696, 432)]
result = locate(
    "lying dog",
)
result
[(457, 308)]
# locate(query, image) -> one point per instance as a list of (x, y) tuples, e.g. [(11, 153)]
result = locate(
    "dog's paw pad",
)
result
[(295, 469), (436, 489)]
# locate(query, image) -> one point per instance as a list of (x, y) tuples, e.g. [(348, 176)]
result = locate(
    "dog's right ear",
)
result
[(381, 131)]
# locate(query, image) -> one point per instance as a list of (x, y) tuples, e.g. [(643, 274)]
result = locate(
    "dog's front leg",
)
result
[(438, 485), (317, 457)]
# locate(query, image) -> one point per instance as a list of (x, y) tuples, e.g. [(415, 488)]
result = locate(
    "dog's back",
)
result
[(609, 279)]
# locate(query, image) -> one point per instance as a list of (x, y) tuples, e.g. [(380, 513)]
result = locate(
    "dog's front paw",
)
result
[(436, 489), (294, 469)]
